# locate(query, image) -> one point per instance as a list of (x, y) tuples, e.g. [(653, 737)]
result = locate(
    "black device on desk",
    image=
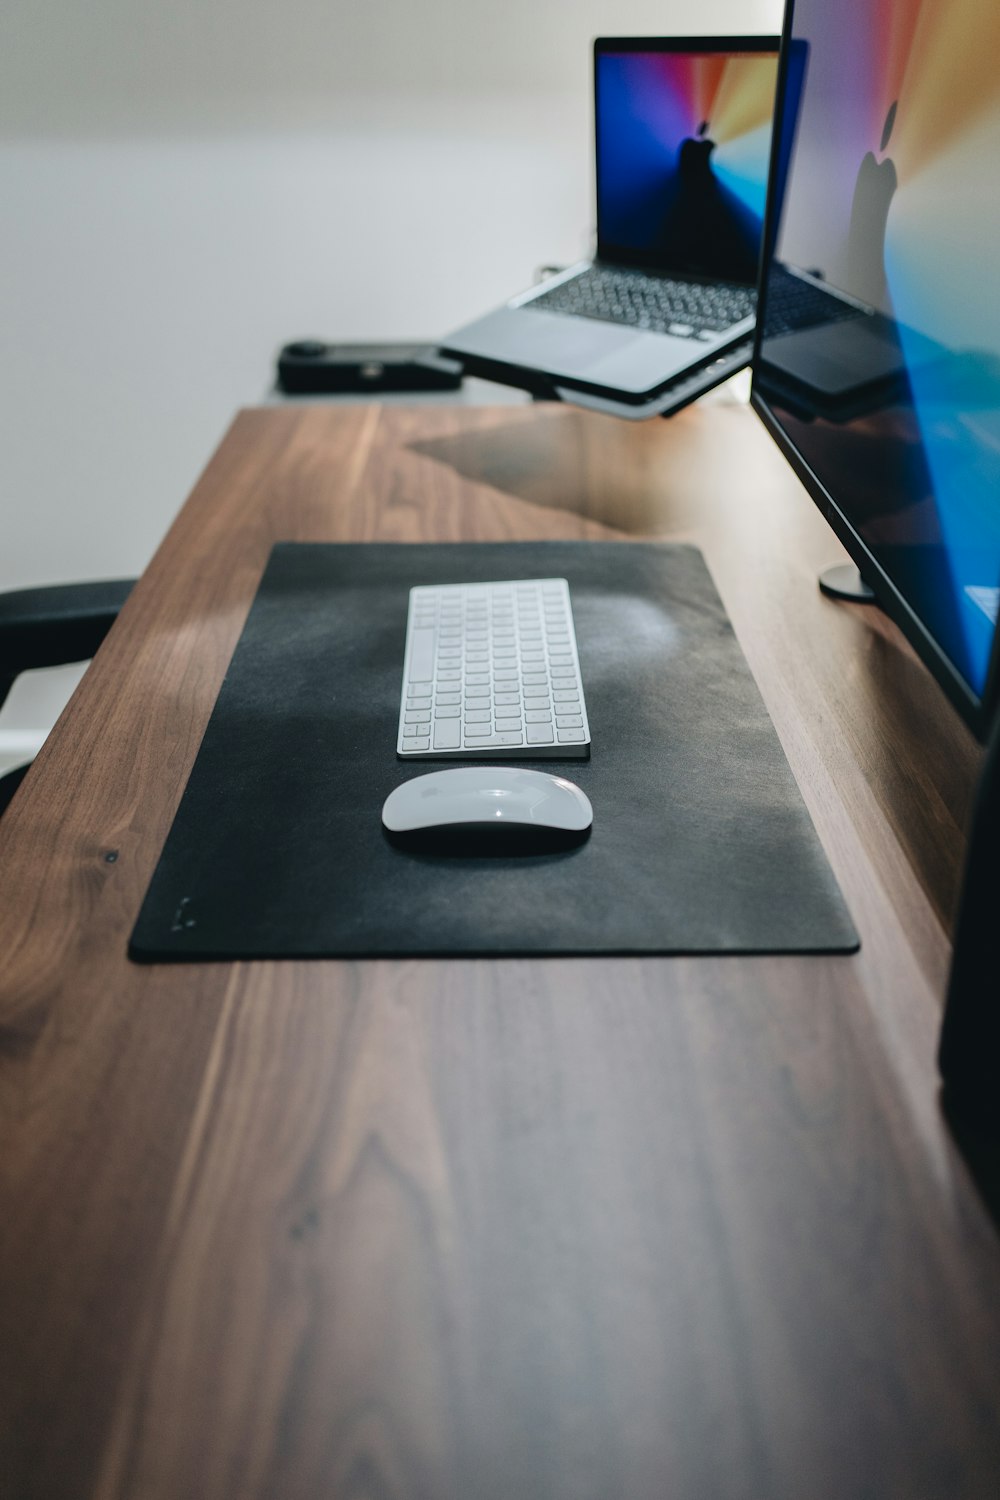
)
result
[(886, 399), (665, 310), (309, 367)]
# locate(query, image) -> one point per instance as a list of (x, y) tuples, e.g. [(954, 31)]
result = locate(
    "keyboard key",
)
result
[(508, 738), (421, 655), (537, 716), (539, 734), (568, 736), (447, 735)]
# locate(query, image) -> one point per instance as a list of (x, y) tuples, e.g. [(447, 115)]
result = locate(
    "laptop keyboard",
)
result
[(687, 309)]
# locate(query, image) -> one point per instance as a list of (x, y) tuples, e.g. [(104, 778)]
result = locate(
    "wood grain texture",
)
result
[(567, 1229)]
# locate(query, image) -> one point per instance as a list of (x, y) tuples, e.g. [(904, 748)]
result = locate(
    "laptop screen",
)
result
[(683, 135)]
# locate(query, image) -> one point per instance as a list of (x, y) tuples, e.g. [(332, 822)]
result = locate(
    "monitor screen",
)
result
[(877, 365), (683, 146)]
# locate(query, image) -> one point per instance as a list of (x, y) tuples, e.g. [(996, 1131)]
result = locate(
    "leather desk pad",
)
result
[(701, 841)]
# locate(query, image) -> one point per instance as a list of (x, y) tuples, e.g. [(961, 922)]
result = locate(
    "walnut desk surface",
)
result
[(587, 1229)]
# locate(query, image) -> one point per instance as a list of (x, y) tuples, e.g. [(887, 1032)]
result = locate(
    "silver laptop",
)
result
[(682, 148)]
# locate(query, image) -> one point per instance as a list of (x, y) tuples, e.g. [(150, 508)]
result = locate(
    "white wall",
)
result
[(186, 186)]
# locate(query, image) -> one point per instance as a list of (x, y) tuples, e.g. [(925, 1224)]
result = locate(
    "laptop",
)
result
[(682, 147)]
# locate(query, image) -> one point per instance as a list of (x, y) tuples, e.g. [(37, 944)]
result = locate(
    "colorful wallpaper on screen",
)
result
[(893, 197), (682, 155)]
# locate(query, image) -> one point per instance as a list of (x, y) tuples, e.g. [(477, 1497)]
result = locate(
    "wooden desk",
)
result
[(490, 1230)]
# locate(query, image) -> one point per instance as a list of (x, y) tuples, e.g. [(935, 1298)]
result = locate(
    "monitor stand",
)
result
[(845, 582)]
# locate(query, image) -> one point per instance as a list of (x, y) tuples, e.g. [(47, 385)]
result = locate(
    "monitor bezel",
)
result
[(759, 43), (977, 712)]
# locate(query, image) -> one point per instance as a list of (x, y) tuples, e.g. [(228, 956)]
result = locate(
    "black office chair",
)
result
[(51, 627)]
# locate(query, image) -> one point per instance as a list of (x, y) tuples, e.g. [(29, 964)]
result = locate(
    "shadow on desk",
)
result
[(560, 460)]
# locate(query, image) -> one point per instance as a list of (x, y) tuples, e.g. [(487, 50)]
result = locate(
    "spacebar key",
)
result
[(447, 734)]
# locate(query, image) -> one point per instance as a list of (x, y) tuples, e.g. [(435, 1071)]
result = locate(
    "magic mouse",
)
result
[(489, 802)]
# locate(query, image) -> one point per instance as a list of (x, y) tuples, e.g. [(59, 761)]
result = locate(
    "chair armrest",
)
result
[(65, 622)]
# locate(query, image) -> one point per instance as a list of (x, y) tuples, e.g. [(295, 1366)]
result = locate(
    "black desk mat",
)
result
[(701, 842)]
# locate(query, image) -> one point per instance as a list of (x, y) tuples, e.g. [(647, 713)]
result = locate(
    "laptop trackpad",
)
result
[(574, 348), (575, 340)]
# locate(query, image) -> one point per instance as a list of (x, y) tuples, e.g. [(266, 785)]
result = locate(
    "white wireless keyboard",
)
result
[(491, 669)]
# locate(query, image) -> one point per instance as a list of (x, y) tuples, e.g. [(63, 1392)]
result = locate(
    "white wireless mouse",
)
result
[(484, 796)]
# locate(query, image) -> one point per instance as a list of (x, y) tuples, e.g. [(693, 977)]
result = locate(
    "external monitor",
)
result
[(877, 365)]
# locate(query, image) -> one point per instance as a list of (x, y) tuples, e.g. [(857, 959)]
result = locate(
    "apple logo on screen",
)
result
[(873, 194), (693, 159)]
